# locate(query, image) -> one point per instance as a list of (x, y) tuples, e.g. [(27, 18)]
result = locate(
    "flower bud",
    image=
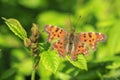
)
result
[(27, 42)]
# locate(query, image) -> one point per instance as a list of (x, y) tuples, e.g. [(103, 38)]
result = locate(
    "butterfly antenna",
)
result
[(71, 25), (77, 21)]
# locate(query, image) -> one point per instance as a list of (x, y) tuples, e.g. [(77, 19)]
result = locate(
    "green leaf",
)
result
[(50, 60), (79, 63), (8, 73), (113, 41), (16, 27)]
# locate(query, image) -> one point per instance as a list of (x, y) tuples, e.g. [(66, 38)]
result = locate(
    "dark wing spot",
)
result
[(90, 35), (60, 47), (84, 35), (89, 40), (61, 43), (52, 26), (58, 42), (85, 40), (54, 34), (58, 35), (57, 30), (61, 31)]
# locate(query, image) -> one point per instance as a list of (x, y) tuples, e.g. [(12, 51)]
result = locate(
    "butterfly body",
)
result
[(67, 44), (72, 43)]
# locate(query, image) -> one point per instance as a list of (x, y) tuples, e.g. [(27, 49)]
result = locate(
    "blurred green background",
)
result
[(96, 15)]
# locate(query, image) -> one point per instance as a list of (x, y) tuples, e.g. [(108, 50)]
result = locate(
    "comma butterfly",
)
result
[(73, 43)]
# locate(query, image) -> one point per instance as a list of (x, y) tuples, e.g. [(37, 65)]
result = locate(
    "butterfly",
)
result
[(73, 43)]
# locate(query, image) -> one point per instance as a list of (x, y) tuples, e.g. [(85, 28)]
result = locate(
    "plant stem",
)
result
[(33, 75)]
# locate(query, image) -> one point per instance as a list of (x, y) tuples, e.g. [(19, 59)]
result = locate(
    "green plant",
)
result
[(50, 60)]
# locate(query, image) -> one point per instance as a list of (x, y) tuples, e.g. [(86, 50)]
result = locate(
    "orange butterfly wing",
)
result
[(57, 33), (54, 32), (80, 48), (60, 47), (85, 39), (92, 38)]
